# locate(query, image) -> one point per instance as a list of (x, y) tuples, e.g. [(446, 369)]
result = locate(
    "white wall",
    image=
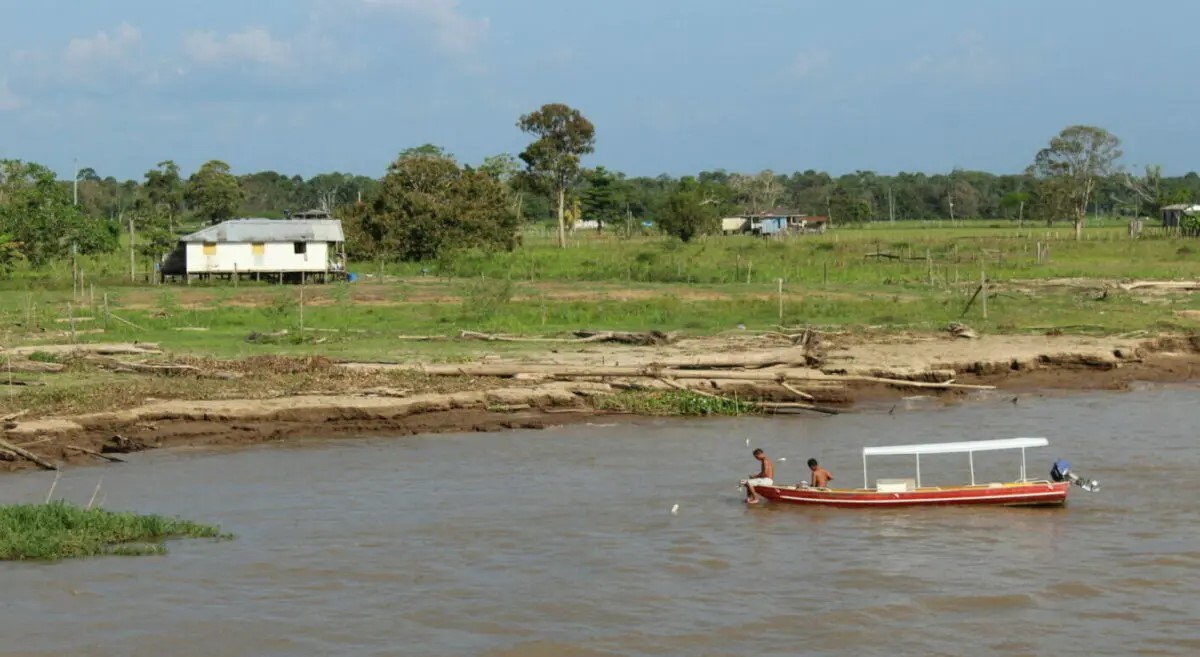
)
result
[(240, 257)]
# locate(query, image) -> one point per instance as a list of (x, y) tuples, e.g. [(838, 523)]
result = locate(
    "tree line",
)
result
[(428, 202)]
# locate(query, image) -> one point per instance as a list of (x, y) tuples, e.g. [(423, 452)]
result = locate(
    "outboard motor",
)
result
[(1062, 472)]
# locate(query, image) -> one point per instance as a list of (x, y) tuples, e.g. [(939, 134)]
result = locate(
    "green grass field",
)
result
[(604, 282)]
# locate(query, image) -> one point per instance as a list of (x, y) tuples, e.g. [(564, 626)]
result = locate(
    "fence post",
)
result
[(983, 291), (781, 302)]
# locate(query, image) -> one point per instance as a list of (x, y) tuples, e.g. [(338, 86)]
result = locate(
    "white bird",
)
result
[(675, 510), (782, 459), (747, 442)]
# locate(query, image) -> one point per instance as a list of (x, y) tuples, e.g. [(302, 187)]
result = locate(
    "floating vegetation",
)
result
[(60, 530)]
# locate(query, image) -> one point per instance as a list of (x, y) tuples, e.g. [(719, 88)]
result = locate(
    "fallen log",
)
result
[(799, 393), (1162, 285), (28, 455), (101, 349), (582, 337), (657, 372), (34, 367), (92, 452), (756, 404)]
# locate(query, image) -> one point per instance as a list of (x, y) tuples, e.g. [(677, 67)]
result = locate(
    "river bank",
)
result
[(96, 399)]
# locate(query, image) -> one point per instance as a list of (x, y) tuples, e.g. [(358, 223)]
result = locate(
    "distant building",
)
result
[(735, 225), (781, 221), (308, 214), (1172, 215), (293, 250)]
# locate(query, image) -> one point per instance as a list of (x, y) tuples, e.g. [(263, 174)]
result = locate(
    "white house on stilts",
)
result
[(276, 250)]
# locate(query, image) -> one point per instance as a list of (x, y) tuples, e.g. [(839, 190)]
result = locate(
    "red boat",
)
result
[(909, 492)]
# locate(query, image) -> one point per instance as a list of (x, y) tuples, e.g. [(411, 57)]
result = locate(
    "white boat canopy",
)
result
[(969, 447), (956, 448)]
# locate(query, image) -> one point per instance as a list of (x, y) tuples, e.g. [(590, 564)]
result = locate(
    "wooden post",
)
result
[(74, 271), (71, 319), (302, 304), (983, 291), (929, 267), (825, 271), (106, 311), (749, 269), (132, 264), (781, 302)]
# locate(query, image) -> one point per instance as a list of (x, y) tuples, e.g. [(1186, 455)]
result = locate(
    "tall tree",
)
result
[(428, 206), (1070, 168), (504, 169), (563, 137), (685, 214), (213, 193), (604, 198), (164, 191), (40, 221)]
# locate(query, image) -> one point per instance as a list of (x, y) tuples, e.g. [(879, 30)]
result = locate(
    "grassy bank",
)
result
[(58, 530), (924, 280)]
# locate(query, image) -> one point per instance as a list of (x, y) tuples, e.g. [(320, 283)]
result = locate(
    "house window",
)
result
[(210, 248), (300, 248), (258, 248)]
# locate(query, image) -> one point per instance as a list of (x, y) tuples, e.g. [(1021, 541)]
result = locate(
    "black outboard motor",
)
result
[(1062, 472)]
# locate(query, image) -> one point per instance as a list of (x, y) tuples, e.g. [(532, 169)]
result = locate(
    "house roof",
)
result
[(779, 212), (270, 230)]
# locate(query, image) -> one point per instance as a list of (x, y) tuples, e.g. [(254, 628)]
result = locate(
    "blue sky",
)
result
[(673, 86)]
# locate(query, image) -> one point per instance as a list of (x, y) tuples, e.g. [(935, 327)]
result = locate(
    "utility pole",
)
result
[(891, 206), (75, 182), (950, 199)]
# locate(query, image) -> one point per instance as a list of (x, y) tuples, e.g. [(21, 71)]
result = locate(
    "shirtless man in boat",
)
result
[(820, 476), (765, 477)]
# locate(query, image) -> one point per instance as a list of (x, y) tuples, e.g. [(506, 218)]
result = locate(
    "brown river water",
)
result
[(561, 542)]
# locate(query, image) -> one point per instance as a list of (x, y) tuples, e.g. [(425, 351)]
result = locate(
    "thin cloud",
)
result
[(9, 101), (810, 62), (103, 49), (253, 45), (970, 59), (454, 32)]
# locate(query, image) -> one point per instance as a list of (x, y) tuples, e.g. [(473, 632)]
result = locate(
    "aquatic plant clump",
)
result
[(60, 530), (674, 403)]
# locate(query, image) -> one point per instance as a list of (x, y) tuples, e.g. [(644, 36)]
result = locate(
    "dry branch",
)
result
[(24, 453), (92, 452), (757, 404)]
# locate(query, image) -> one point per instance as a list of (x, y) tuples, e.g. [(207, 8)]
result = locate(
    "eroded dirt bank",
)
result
[(834, 371)]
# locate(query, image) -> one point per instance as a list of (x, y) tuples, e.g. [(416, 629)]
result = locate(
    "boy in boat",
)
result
[(820, 476), (765, 477)]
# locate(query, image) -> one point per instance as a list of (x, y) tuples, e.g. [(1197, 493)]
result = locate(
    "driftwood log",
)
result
[(756, 404), (92, 452), (656, 372), (28, 455), (582, 337)]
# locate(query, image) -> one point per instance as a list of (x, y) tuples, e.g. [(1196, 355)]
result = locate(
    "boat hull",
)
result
[(1040, 493)]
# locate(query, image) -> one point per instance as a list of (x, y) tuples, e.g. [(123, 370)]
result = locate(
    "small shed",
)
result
[(735, 225), (1172, 215), (293, 250), (780, 221)]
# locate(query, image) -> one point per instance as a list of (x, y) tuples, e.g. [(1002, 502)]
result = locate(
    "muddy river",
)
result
[(561, 542)]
